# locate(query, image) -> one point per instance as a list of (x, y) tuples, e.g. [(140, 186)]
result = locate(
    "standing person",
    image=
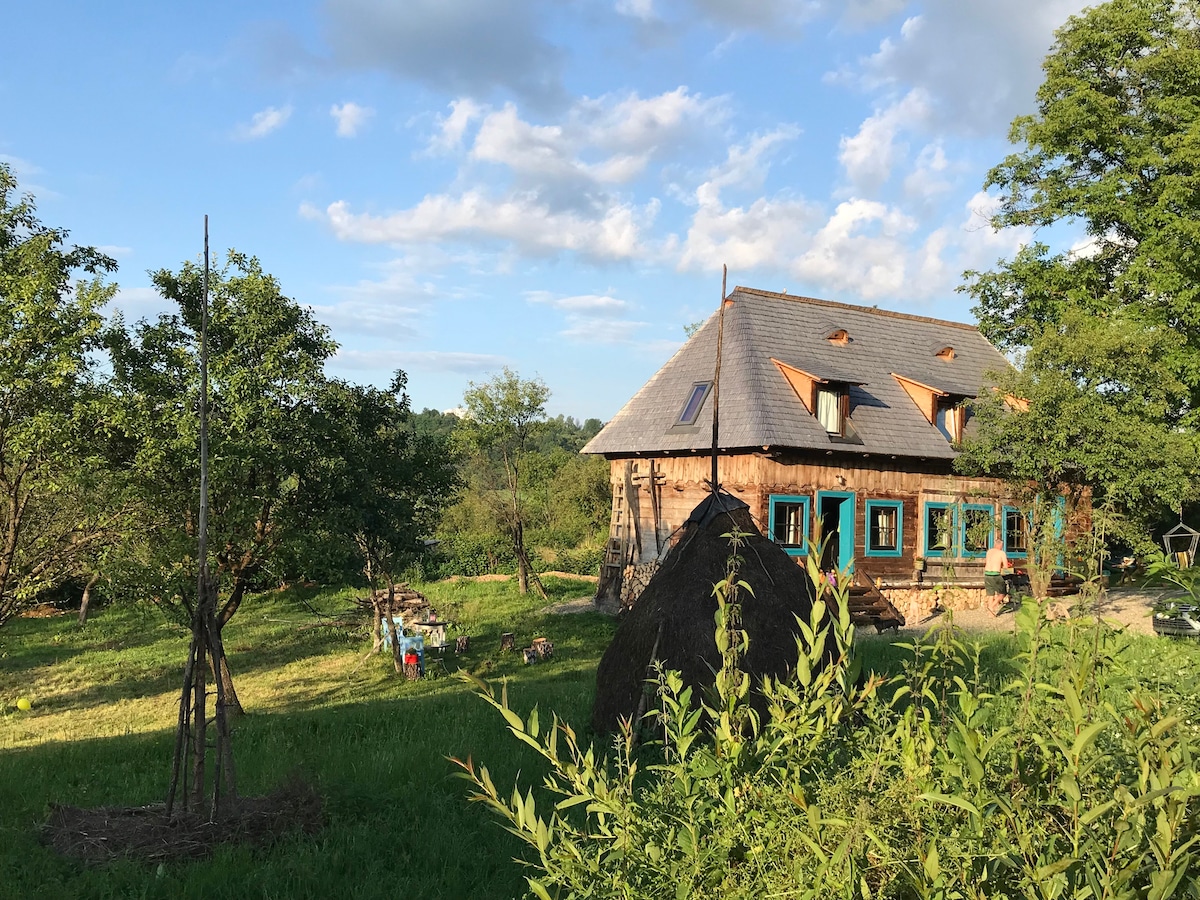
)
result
[(994, 564)]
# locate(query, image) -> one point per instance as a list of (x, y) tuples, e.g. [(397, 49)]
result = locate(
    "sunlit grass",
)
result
[(104, 706), (105, 700)]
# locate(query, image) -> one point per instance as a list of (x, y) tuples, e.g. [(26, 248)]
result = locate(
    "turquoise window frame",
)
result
[(1016, 554), (931, 551), (871, 506), (804, 501), (962, 529)]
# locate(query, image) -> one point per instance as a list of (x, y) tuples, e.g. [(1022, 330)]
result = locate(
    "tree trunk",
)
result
[(397, 656), (376, 627), (87, 597), (522, 562), (233, 706)]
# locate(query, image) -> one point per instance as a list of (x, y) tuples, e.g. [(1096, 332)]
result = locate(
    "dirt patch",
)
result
[(148, 834), (1129, 608), (581, 605), (592, 578), (44, 611)]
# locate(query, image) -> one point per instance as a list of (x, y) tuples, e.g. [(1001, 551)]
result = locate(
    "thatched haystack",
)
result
[(680, 598)]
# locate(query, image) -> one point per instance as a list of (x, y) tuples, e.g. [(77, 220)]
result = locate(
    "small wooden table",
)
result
[(434, 631)]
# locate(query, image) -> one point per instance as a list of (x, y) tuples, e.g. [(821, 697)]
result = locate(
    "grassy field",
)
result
[(375, 746), (100, 731)]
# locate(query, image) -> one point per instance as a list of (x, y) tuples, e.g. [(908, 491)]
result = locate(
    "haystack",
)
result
[(680, 598)]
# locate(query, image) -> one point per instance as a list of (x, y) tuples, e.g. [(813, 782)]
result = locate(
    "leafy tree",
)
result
[(379, 485), (433, 422), (1108, 334), (266, 357), (52, 403), (503, 416)]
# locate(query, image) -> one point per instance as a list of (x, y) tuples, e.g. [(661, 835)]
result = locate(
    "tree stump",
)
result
[(508, 641)]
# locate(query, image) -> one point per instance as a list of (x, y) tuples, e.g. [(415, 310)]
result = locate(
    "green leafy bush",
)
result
[(1051, 772)]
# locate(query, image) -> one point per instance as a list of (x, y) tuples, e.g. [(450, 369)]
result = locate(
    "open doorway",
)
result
[(835, 513)]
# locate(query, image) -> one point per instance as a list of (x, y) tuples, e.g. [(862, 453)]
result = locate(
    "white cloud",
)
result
[(22, 168), (866, 12), (860, 250), (378, 319), (591, 330), (603, 140), (561, 177), (869, 156), (765, 232), (596, 304), (263, 123), (770, 16), (451, 128), (418, 360), (350, 117), (472, 47), (115, 250), (637, 9), (978, 63), (530, 226)]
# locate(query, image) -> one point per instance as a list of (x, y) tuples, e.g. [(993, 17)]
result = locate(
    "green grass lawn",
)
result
[(101, 727), (105, 700)]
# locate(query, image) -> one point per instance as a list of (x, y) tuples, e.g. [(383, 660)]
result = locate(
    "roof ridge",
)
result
[(833, 304)]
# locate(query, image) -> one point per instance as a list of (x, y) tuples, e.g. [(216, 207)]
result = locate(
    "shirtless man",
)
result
[(994, 565)]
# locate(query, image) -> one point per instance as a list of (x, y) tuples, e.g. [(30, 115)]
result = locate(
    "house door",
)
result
[(836, 512)]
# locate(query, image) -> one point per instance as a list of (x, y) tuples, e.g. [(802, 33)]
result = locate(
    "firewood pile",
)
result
[(634, 581), (404, 599)]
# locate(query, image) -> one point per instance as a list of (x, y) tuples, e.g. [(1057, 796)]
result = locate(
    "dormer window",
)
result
[(832, 407), (827, 399), (695, 402), (839, 336), (951, 417), (946, 353)]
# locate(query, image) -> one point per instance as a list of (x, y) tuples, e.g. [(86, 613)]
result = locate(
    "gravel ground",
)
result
[(1127, 607)]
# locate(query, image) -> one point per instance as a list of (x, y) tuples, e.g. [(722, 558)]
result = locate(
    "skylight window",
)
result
[(695, 402)]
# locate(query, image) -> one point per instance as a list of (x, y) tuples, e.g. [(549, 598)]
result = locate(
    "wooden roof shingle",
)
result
[(759, 409)]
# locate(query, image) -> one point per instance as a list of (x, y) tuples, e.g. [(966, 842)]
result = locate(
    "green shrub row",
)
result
[(481, 554)]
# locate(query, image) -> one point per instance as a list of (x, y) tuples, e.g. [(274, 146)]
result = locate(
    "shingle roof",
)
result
[(759, 407)]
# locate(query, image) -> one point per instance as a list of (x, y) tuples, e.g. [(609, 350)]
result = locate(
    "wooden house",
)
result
[(834, 419)]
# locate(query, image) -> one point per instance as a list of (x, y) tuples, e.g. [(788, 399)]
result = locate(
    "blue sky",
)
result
[(460, 185)]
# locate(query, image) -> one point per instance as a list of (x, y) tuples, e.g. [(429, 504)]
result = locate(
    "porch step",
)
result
[(868, 606)]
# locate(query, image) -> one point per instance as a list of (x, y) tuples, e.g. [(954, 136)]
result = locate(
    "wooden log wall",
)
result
[(665, 490)]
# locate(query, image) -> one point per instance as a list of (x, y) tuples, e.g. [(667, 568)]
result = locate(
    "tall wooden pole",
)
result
[(202, 577), (717, 378)]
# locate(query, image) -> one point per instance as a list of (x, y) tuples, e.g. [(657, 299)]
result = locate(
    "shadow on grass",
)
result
[(396, 815)]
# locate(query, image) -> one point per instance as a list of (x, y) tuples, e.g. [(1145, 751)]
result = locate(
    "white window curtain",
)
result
[(829, 410)]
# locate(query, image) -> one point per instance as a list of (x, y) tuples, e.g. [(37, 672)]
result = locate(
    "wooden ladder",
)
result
[(614, 550)]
